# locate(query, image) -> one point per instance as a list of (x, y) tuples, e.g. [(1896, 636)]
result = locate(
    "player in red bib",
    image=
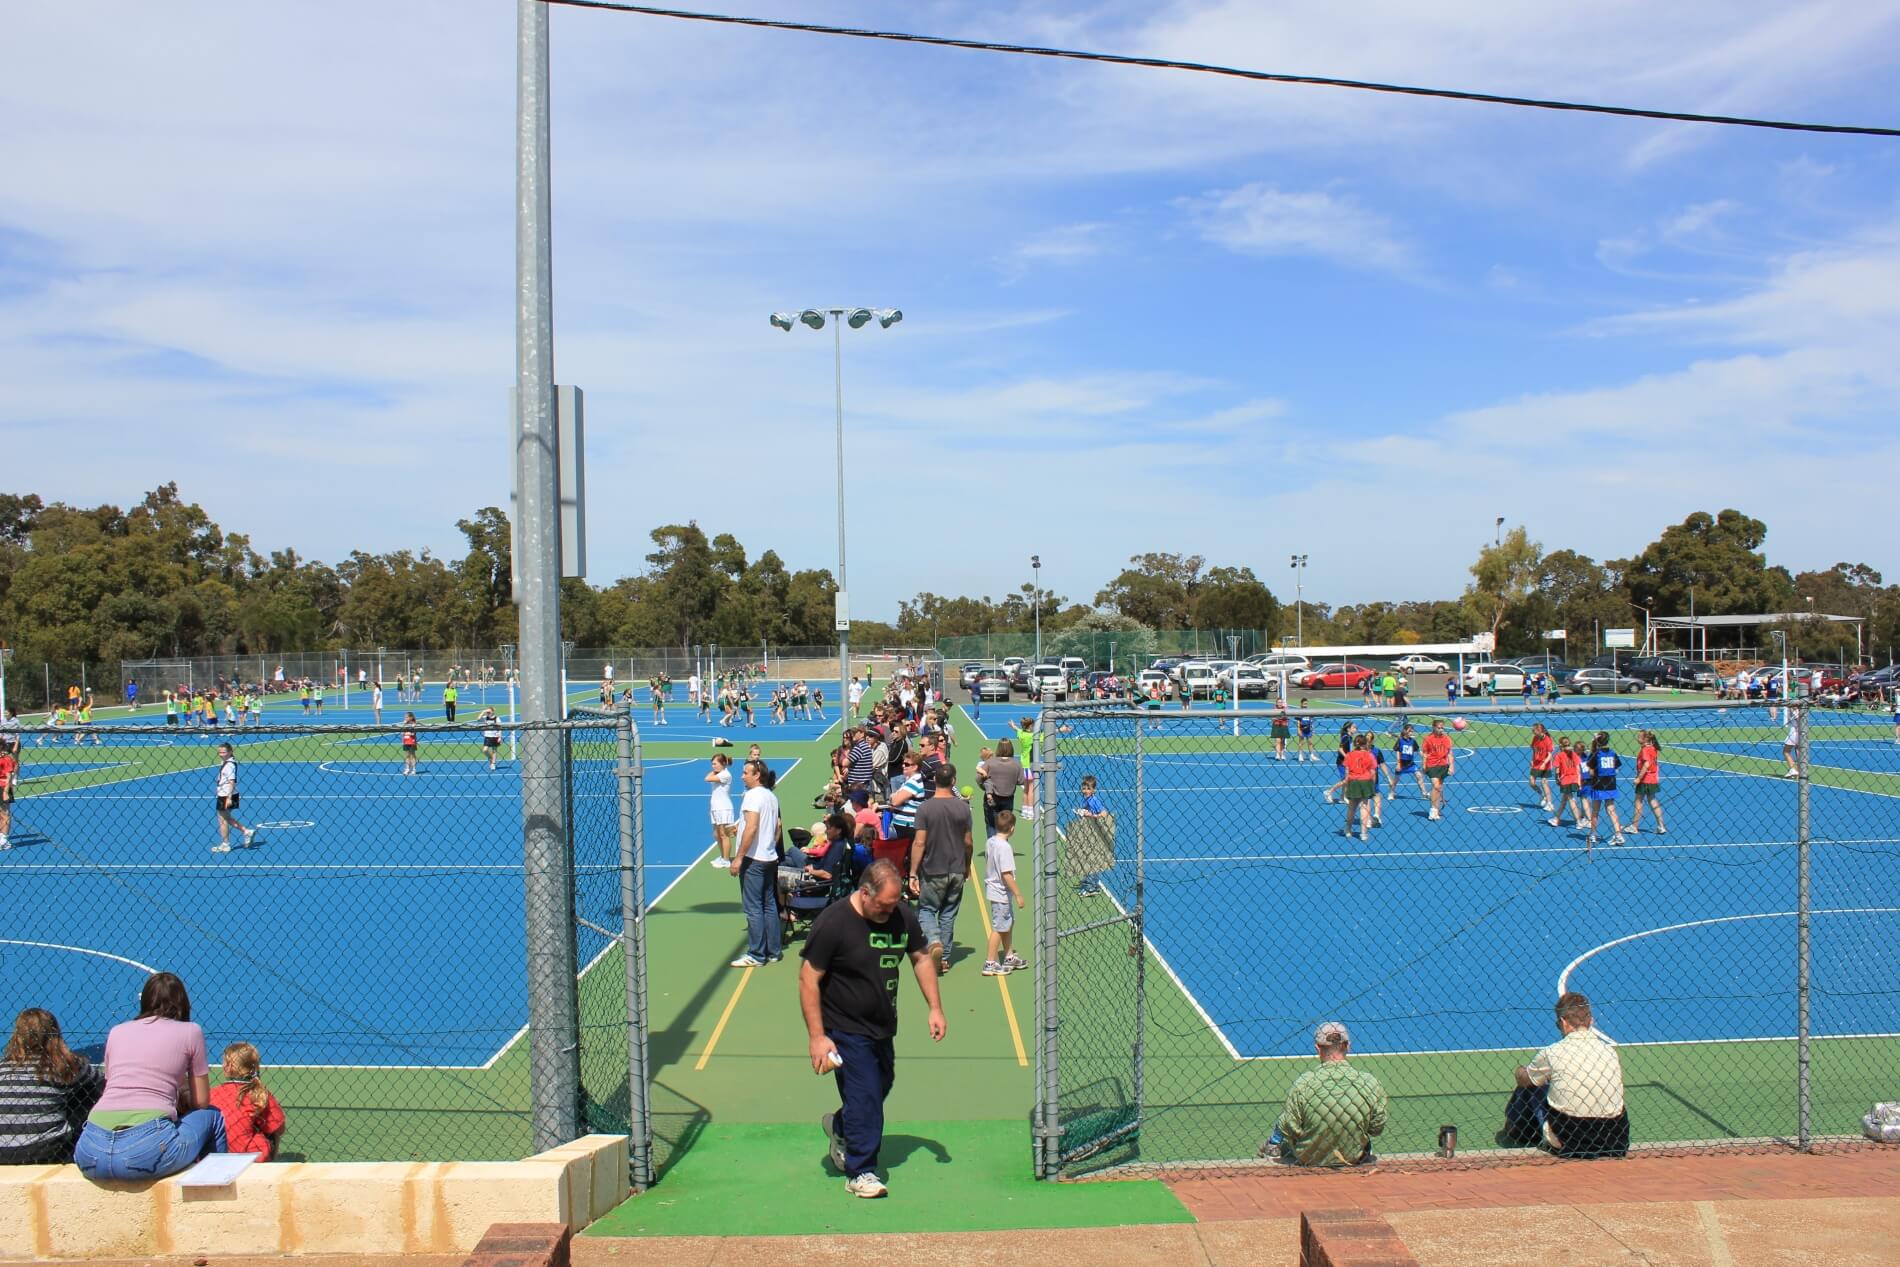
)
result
[(1439, 764), (1362, 785), (1568, 763), (1541, 753), (1648, 783)]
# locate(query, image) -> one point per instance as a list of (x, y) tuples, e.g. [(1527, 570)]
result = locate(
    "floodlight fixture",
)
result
[(782, 320), (857, 317), (813, 318)]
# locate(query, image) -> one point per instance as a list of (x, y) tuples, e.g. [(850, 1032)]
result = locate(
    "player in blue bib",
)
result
[(1406, 753), (1599, 770)]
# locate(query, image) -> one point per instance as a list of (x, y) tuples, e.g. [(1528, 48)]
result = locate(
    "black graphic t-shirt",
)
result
[(861, 962)]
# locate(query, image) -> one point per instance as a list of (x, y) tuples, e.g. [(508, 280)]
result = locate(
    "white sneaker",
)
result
[(1616, 840), (1364, 836), (1433, 816), (1328, 795), (1632, 831), (1662, 831), (1792, 774), (866, 1185), (748, 961), (5, 843), (249, 836), (221, 848), (717, 861), (1555, 822)]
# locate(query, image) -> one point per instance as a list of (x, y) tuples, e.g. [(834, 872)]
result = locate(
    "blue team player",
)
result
[(1451, 690), (1405, 761)]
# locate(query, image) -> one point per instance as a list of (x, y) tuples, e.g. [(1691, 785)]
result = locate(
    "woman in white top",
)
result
[(720, 776), (757, 868)]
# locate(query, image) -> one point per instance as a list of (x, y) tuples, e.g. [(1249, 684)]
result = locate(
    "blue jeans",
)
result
[(758, 894), (938, 899), (864, 1080), (150, 1150)]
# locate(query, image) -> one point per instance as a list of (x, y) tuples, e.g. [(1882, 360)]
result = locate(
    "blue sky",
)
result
[(267, 251)]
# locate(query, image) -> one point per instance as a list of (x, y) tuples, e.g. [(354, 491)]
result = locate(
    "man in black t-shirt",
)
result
[(847, 989)]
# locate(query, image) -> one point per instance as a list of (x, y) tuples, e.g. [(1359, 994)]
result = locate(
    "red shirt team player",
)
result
[(1439, 763), (1542, 753), (1648, 783), (9, 774), (1362, 784), (1568, 763)]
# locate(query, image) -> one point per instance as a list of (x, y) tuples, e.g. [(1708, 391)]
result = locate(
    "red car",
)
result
[(1349, 676)]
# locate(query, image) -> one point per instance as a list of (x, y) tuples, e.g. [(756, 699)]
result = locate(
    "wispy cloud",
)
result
[(1258, 219)]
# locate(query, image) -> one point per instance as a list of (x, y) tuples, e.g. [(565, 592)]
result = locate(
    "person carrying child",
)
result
[(253, 1119)]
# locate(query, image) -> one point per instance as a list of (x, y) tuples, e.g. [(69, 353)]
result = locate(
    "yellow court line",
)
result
[(724, 1016), (1002, 982)]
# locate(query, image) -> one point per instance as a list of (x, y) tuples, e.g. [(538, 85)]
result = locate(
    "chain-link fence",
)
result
[(1718, 883), (350, 899)]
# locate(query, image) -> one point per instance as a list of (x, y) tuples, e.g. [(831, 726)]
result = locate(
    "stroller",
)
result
[(803, 889)]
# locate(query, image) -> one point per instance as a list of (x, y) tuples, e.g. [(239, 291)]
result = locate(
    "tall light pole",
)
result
[(1299, 600), (1035, 566), (856, 318), (1497, 538)]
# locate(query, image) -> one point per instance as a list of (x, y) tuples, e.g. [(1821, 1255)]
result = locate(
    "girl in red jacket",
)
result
[(253, 1119)]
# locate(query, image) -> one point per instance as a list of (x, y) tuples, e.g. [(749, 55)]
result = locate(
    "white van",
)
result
[(1048, 682), (1196, 678), (1502, 677)]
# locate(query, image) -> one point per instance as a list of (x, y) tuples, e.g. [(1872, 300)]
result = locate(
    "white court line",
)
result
[(521, 1033), (1628, 848), (1563, 978), (80, 950), (1168, 968), (76, 770)]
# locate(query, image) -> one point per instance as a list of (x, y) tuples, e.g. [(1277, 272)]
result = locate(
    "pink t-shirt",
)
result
[(148, 1062)]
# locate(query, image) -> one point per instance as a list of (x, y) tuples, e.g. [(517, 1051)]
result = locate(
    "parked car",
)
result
[(966, 673), (1073, 665), (1147, 677), (1547, 665), (1342, 674), (1019, 675), (1010, 663), (1196, 678), (1501, 676), (1669, 671), (1281, 662), (1048, 681), (1595, 681), (993, 685), (1420, 664), (1250, 681)]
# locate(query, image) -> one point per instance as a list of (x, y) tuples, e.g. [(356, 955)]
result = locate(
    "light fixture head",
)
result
[(782, 320), (857, 318), (813, 318), (1035, 561), (888, 317)]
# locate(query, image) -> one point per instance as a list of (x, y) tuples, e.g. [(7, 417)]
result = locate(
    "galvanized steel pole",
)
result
[(547, 852)]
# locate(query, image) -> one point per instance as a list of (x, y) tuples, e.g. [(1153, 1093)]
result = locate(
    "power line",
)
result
[(1231, 72)]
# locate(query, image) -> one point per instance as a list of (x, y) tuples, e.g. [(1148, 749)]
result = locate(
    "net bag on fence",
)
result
[(1091, 848)]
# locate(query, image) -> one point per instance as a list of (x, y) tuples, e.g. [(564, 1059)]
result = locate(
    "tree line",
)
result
[(97, 585)]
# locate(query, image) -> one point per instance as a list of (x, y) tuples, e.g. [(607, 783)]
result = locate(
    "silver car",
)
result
[(1602, 682)]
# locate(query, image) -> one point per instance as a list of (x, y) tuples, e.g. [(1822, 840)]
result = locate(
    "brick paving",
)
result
[(1546, 1182)]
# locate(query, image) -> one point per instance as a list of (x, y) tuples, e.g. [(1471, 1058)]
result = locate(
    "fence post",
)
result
[(633, 949), (1138, 933), (1803, 1102), (1049, 861)]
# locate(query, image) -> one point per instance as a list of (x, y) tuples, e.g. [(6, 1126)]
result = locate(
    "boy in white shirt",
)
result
[(999, 886)]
